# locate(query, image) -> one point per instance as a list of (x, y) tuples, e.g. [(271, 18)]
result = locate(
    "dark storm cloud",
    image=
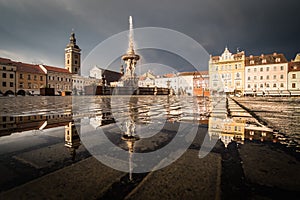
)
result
[(35, 30)]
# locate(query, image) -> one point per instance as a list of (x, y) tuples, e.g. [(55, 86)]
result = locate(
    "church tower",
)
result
[(72, 56)]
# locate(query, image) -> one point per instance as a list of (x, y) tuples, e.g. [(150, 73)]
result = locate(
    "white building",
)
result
[(147, 80), (266, 75), (79, 82)]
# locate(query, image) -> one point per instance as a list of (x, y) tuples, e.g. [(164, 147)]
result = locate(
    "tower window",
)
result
[(68, 61), (75, 69), (75, 62)]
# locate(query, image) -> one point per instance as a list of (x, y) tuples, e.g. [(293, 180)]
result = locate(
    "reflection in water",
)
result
[(239, 127), (72, 139)]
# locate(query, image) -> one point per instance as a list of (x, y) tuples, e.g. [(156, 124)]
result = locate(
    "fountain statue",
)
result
[(129, 77)]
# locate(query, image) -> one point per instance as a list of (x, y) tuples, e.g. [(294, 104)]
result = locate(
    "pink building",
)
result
[(266, 75)]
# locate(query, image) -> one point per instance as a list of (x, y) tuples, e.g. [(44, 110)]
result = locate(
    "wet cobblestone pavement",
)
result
[(281, 114)]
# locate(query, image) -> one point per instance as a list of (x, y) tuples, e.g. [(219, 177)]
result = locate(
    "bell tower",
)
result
[(72, 56)]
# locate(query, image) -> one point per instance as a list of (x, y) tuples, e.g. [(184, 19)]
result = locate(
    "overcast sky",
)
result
[(38, 30)]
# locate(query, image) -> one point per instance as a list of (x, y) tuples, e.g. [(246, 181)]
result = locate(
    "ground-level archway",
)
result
[(21, 92), (9, 92)]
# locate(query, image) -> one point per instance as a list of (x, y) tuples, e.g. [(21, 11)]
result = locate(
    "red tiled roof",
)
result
[(56, 69), (193, 73), (294, 67), (6, 61), (169, 75), (30, 68), (270, 59)]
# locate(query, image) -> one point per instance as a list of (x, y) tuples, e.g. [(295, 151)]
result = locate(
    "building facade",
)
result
[(294, 76), (79, 83), (226, 72), (58, 78), (201, 83), (29, 79), (8, 77), (266, 75), (147, 80)]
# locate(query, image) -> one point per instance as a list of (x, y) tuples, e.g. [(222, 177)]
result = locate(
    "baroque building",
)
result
[(226, 72), (266, 75)]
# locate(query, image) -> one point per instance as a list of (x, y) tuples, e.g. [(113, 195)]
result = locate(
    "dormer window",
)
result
[(251, 62), (277, 60), (264, 61)]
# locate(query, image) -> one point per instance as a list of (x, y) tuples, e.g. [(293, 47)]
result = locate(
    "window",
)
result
[(255, 69), (281, 85), (274, 77), (11, 76), (293, 85), (267, 85), (236, 66), (261, 77), (293, 76), (68, 61), (261, 85), (4, 68), (251, 62), (248, 70), (268, 68), (274, 85), (281, 76), (28, 77), (21, 76), (11, 84), (263, 134), (249, 78), (264, 61), (29, 85), (274, 68), (4, 75), (261, 69), (267, 77), (35, 78), (254, 77), (41, 78), (75, 69), (3, 84), (21, 84), (75, 62), (249, 86), (281, 68)]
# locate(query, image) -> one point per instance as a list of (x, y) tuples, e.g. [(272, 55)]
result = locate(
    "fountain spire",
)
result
[(130, 59), (131, 48)]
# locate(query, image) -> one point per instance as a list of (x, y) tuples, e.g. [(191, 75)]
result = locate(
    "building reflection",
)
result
[(239, 130), (72, 139), (12, 124)]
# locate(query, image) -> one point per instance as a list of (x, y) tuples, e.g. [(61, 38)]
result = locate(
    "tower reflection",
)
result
[(72, 139)]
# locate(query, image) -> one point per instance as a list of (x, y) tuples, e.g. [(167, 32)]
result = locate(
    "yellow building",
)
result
[(226, 72), (29, 78), (8, 77)]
